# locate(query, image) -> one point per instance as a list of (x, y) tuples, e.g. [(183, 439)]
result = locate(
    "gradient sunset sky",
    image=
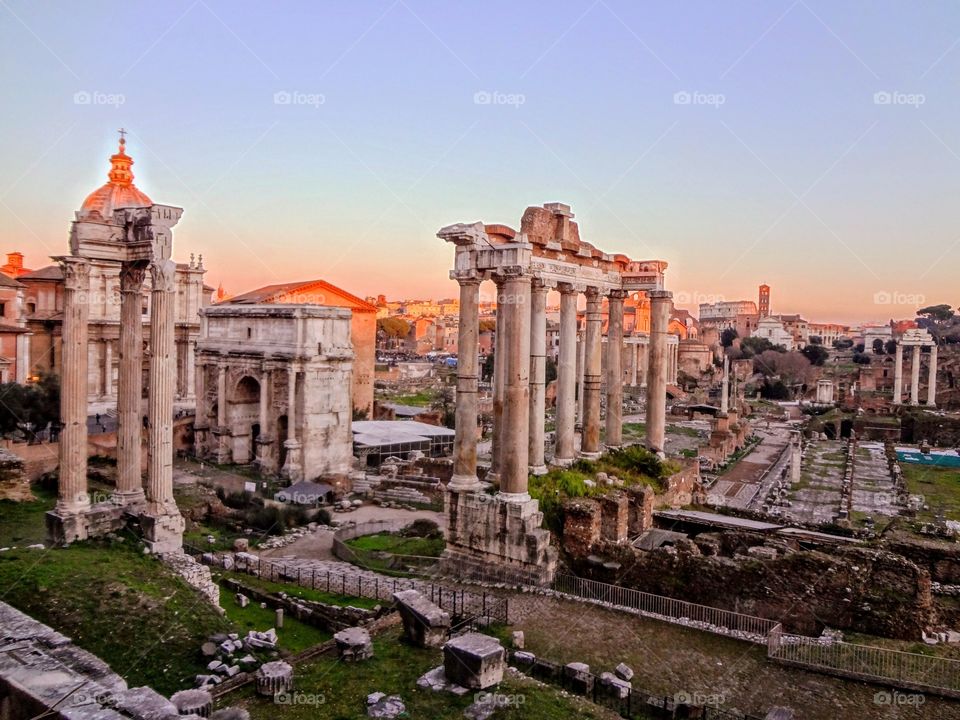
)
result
[(811, 145)]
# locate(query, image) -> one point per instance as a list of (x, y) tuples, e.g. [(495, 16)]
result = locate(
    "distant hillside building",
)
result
[(363, 325), (764, 300)]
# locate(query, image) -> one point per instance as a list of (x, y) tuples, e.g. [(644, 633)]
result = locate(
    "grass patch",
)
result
[(634, 465), (119, 604), (397, 544), (421, 398), (339, 690), (305, 593), (23, 522), (940, 488), (294, 636)]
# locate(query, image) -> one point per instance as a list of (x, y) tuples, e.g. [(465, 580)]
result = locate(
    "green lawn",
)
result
[(22, 523), (119, 604), (940, 488), (294, 636), (330, 598), (398, 544), (328, 688)]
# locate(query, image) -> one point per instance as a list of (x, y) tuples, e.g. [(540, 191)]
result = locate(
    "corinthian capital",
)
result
[(163, 275), (76, 272), (131, 277)]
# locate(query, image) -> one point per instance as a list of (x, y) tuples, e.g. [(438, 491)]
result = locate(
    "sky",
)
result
[(812, 145)]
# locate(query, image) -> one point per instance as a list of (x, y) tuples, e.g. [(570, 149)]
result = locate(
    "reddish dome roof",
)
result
[(118, 192)]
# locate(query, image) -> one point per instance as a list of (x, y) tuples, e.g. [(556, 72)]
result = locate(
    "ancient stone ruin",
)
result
[(503, 531)]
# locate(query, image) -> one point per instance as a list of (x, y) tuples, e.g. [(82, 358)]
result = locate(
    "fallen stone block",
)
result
[(424, 623), (474, 661), (579, 680), (385, 707), (274, 677), (193, 702), (354, 644), (624, 672)]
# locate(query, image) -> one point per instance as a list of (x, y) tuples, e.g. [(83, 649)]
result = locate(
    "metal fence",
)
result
[(911, 671), (701, 617), (482, 608)]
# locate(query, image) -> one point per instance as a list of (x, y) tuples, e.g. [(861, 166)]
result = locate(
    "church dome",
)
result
[(118, 192)]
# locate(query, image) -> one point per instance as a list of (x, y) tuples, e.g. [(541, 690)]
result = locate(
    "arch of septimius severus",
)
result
[(125, 228), (547, 254)]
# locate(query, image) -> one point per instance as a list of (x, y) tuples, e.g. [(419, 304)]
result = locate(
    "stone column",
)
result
[(499, 375), (191, 368), (661, 302), (515, 453), (614, 370), (465, 441), (72, 497), (130, 387), (915, 377), (932, 378), (725, 386), (291, 468), (898, 376), (162, 381), (581, 363), (263, 440), (108, 368), (565, 452), (538, 375), (590, 442)]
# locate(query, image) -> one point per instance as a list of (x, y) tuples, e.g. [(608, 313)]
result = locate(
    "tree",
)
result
[(941, 321), (486, 372), (792, 369), (816, 354), (487, 325), (759, 345), (550, 371), (937, 313), (816, 340), (890, 347), (394, 327), (859, 348), (29, 408), (877, 346), (728, 336), (861, 358), (843, 343)]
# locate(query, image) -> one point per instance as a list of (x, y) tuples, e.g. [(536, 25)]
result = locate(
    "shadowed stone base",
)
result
[(163, 533), (491, 537), (93, 521)]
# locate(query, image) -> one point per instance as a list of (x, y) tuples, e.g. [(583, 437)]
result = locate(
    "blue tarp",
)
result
[(939, 459)]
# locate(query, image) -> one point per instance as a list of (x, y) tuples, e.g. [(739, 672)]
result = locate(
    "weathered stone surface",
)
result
[(624, 672), (354, 644), (424, 623), (193, 702), (517, 639), (436, 680), (614, 686), (230, 713), (274, 677), (385, 707), (579, 679), (474, 660)]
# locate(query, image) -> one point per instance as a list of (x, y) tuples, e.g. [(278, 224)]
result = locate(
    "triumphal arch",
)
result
[(503, 531), (119, 224)]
